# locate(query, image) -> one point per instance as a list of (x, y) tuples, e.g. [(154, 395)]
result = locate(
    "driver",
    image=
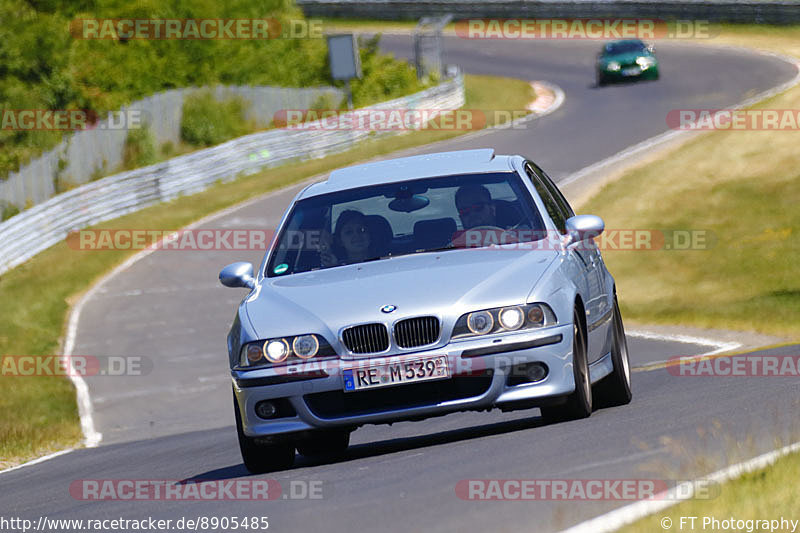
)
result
[(475, 206)]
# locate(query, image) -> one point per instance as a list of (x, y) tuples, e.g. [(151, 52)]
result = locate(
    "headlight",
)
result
[(504, 319), (276, 351), (536, 315), (285, 350), (613, 66), (305, 346), (511, 318), (645, 62), (480, 323), (254, 353)]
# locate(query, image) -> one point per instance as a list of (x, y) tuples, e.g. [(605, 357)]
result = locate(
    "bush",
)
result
[(42, 66), (140, 148), (383, 78), (207, 121), (7, 210)]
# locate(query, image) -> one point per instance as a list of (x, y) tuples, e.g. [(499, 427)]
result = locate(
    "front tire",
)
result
[(601, 80), (579, 403), (262, 458), (615, 389)]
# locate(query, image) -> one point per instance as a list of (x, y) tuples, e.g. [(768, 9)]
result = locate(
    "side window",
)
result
[(556, 211), (554, 191)]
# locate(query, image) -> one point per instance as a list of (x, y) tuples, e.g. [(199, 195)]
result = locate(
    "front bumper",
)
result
[(478, 382), (629, 72)]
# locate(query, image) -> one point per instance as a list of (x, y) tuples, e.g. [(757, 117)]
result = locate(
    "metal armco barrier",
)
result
[(769, 12), (38, 228)]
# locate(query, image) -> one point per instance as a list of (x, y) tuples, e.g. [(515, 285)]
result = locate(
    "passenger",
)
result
[(351, 241)]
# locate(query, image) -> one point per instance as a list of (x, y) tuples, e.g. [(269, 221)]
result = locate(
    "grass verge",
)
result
[(744, 188), (769, 494), (38, 414)]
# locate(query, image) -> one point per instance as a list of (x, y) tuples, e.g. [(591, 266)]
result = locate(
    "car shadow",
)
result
[(383, 447), (619, 83)]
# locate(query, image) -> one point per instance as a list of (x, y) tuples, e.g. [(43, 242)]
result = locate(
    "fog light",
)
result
[(266, 409), (527, 373), (536, 372)]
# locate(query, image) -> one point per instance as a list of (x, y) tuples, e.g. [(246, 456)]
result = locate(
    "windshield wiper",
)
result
[(376, 258), (442, 249)]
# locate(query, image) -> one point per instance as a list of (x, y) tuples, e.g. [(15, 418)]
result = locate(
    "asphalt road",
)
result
[(175, 422)]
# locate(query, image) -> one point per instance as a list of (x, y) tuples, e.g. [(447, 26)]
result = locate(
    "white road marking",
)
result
[(92, 437), (632, 512), (668, 136), (718, 346), (38, 460)]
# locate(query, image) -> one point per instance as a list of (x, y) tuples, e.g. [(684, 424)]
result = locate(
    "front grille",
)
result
[(366, 338), (418, 331), (340, 404)]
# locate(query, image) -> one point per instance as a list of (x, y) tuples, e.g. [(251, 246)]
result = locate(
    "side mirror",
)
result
[(238, 275), (584, 227), (651, 48)]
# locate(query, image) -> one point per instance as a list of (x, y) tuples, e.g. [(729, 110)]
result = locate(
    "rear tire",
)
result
[(262, 458), (325, 443), (615, 389), (579, 403)]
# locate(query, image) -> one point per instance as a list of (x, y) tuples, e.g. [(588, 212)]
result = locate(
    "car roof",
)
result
[(414, 167)]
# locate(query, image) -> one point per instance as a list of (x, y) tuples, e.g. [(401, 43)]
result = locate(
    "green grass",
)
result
[(741, 186), (766, 494), (38, 414)]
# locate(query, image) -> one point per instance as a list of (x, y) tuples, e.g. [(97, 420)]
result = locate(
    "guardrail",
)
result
[(768, 12), (42, 226), (83, 154)]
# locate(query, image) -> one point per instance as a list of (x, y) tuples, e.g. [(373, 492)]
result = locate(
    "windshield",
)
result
[(624, 48), (418, 216)]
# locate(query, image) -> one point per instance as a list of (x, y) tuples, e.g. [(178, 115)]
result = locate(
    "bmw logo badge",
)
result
[(388, 308)]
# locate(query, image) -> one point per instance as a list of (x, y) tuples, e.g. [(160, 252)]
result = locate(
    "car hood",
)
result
[(445, 284)]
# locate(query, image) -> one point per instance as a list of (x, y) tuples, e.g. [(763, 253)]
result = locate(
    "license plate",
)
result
[(411, 371), (633, 71)]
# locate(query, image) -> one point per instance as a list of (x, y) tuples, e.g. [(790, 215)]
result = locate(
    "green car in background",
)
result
[(626, 60)]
